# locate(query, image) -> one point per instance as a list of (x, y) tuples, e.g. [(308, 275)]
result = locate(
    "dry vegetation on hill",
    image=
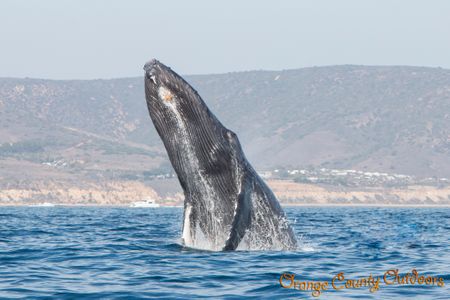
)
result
[(377, 119)]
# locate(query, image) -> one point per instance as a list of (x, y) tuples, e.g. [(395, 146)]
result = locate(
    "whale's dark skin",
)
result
[(227, 205)]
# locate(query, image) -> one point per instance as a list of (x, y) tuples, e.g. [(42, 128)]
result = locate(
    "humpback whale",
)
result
[(227, 205)]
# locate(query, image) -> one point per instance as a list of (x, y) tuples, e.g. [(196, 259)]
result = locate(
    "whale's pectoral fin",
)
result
[(241, 221)]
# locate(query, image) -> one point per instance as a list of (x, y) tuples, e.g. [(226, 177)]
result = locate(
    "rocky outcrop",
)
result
[(289, 192)]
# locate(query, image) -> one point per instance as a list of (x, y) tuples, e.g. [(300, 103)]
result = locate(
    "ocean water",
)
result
[(124, 253)]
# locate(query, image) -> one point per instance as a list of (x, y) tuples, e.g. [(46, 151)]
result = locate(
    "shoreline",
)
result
[(365, 205)]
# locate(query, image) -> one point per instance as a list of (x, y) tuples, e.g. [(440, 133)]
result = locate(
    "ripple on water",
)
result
[(118, 253)]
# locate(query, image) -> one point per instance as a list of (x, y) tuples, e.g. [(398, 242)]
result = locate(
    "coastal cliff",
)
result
[(86, 193), (169, 194)]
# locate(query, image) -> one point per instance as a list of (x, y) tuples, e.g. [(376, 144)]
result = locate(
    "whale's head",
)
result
[(162, 84), (194, 138)]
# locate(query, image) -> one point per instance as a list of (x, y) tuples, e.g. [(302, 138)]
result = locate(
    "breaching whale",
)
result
[(227, 205)]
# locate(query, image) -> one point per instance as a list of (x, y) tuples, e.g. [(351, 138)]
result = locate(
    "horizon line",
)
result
[(233, 72)]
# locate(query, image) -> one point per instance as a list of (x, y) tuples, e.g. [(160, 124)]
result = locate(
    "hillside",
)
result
[(377, 119)]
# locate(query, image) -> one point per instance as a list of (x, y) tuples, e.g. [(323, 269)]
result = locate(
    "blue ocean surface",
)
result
[(125, 253)]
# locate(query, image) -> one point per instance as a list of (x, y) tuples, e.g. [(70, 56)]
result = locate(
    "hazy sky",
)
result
[(63, 39)]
